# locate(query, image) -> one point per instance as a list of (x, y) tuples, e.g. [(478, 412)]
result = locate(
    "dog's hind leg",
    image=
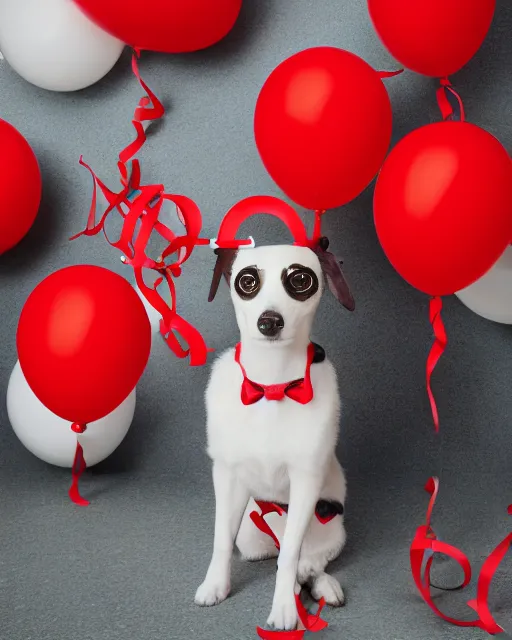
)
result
[(323, 543), (326, 586), (252, 543)]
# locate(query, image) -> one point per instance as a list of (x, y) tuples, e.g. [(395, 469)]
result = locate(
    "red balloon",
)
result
[(432, 37), (20, 186), (83, 341), (323, 126), (443, 206), (170, 26)]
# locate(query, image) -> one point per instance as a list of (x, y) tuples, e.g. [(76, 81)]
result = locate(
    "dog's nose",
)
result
[(270, 323)]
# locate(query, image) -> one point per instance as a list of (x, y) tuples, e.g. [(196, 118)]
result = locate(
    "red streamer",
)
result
[(426, 540), (78, 468), (444, 104), (437, 350), (140, 216), (310, 622), (260, 522), (317, 229), (267, 634), (389, 74)]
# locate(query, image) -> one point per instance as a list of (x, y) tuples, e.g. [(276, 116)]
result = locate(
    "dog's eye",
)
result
[(300, 282), (248, 283)]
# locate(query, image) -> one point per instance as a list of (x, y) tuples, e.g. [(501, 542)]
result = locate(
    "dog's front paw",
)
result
[(212, 592), (284, 614)]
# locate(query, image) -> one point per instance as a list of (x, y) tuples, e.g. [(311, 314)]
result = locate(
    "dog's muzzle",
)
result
[(270, 324)]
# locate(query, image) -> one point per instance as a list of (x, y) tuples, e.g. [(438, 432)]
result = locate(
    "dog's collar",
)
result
[(300, 390)]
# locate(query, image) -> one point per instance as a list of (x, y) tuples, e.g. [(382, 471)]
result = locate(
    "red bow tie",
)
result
[(299, 390)]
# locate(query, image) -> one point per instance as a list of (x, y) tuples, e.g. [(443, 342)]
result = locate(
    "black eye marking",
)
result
[(300, 283), (248, 283)]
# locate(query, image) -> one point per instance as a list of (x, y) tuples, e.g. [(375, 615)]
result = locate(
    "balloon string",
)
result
[(139, 207), (78, 468), (426, 544), (317, 229), (389, 74), (436, 351), (444, 104)]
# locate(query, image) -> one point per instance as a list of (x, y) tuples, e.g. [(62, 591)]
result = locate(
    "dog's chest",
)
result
[(258, 441), (263, 439), (265, 429), (266, 479)]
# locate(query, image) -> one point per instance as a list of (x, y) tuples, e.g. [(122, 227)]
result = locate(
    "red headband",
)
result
[(267, 205), (272, 206)]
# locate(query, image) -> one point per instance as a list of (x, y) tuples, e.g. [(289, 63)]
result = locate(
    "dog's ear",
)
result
[(225, 259), (333, 273)]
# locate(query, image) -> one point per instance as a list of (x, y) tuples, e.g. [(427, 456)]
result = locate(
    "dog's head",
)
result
[(276, 289)]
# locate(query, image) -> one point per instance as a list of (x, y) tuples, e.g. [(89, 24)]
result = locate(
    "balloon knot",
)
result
[(78, 428)]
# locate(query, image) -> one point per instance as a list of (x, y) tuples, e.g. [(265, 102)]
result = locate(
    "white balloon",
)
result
[(53, 45), (491, 295), (153, 315), (50, 438)]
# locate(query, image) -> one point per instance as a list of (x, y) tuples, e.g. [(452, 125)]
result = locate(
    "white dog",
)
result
[(272, 421)]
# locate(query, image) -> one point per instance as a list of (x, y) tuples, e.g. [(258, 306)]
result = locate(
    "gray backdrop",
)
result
[(128, 566)]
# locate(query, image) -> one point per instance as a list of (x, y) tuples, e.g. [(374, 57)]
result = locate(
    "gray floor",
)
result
[(127, 567)]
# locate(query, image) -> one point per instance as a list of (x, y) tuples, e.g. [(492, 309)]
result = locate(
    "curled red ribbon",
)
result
[(389, 74), (139, 206), (267, 634), (78, 468), (444, 104), (437, 350), (425, 541), (259, 521), (317, 229), (310, 622)]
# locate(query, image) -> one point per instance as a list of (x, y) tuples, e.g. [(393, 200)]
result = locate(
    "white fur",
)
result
[(278, 451)]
